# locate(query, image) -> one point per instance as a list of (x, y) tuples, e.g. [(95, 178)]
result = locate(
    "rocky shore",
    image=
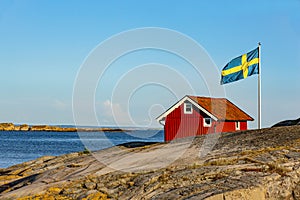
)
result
[(25, 127), (290, 122), (256, 164)]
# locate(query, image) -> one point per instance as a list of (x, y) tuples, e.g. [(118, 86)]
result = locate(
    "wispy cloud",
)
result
[(114, 113), (60, 105)]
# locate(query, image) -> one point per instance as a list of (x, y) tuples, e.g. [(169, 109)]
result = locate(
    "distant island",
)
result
[(48, 128)]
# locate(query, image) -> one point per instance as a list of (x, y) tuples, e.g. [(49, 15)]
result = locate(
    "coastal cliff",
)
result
[(254, 164)]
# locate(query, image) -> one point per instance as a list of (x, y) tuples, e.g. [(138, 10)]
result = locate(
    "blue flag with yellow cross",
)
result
[(241, 67)]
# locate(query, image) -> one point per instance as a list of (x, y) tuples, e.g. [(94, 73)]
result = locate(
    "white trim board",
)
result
[(172, 108)]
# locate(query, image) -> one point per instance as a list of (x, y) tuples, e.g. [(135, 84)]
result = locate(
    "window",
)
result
[(188, 108), (237, 125), (207, 122)]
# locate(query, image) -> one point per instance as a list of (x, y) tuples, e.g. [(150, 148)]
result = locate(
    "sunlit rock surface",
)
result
[(254, 164)]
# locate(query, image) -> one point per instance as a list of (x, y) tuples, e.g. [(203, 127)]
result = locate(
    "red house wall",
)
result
[(179, 125), (229, 126), (243, 126)]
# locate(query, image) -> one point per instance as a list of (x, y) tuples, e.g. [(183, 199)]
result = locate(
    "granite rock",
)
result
[(254, 164)]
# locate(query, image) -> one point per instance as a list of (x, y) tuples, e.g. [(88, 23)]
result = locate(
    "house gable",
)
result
[(179, 103)]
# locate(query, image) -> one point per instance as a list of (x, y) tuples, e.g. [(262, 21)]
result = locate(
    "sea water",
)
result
[(18, 146)]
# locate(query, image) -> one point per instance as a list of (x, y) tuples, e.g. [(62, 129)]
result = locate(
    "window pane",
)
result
[(207, 120), (188, 108)]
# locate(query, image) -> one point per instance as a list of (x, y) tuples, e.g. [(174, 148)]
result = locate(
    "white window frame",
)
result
[(185, 107), (206, 124), (237, 126)]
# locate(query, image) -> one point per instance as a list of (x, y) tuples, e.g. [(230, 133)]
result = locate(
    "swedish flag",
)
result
[(241, 67)]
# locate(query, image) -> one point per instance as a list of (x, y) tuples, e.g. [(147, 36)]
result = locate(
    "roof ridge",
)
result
[(207, 97), (224, 109)]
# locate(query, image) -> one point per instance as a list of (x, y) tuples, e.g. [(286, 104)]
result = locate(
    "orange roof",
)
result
[(221, 108)]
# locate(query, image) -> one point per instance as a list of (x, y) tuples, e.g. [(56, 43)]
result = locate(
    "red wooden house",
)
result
[(193, 115)]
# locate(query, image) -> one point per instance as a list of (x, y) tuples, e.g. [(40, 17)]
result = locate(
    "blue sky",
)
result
[(44, 43)]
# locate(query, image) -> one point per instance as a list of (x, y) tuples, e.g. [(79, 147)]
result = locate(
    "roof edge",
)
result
[(164, 114), (181, 101), (251, 118)]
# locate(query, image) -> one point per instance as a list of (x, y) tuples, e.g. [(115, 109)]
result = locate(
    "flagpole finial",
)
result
[(259, 43)]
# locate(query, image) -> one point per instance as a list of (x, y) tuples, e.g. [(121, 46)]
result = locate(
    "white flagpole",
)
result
[(259, 87)]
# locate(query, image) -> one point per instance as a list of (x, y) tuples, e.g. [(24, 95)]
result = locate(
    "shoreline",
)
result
[(49, 128)]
